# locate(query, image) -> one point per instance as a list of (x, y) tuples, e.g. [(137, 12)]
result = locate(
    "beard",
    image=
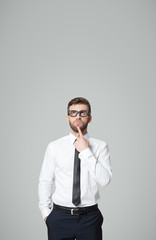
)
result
[(82, 127)]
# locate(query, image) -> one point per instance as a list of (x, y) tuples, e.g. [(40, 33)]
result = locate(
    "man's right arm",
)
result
[(46, 179)]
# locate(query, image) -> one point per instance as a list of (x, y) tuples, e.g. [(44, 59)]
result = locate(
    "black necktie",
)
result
[(76, 180)]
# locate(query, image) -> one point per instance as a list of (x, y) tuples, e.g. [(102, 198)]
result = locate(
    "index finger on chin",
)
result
[(79, 130)]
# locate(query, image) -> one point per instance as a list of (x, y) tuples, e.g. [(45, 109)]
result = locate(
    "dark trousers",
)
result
[(63, 226)]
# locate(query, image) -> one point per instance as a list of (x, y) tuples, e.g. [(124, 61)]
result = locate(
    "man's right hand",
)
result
[(45, 219)]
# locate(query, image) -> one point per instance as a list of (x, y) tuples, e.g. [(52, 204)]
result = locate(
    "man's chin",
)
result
[(76, 130), (74, 127)]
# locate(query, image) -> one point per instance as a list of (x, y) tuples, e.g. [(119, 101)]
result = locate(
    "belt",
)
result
[(77, 210)]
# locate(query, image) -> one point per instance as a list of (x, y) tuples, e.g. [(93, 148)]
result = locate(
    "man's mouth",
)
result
[(77, 121)]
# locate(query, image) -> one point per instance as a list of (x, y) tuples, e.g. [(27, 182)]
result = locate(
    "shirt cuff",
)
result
[(86, 153), (46, 212)]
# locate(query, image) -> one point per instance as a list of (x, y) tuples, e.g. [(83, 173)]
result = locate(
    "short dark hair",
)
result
[(79, 100)]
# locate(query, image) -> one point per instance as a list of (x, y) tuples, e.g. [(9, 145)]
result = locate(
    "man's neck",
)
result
[(76, 134)]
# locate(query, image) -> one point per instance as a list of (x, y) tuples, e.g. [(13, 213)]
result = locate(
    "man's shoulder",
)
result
[(59, 140), (97, 142)]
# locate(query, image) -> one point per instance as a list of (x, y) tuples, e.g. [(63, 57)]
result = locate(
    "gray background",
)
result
[(52, 51)]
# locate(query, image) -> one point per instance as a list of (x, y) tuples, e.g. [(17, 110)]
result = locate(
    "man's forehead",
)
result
[(78, 107)]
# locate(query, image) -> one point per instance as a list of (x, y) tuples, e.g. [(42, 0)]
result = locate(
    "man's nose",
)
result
[(78, 115)]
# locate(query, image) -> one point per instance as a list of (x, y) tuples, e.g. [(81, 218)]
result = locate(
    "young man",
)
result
[(76, 164)]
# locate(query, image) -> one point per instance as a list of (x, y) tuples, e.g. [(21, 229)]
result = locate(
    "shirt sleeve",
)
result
[(46, 179), (100, 167)]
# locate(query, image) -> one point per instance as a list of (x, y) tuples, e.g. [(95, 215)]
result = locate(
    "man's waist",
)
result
[(75, 210)]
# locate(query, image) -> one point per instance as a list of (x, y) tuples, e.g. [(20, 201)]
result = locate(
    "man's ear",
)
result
[(67, 118), (90, 118)]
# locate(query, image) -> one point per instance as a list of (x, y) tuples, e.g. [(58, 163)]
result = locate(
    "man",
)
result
[(76, 164)]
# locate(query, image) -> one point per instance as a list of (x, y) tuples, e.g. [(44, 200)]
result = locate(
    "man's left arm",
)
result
[(99, 168)]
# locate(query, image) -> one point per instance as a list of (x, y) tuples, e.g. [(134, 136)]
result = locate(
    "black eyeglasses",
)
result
[(82, 113)]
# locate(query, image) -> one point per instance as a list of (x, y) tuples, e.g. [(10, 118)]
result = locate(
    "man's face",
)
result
[(82, 122)]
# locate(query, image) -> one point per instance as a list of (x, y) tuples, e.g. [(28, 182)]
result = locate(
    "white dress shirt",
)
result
[(57, 169)]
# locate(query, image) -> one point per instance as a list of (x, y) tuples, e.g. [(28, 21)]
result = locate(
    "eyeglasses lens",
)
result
[(74, 113)]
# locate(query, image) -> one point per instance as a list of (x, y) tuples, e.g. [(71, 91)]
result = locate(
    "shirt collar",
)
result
[(73, 138)]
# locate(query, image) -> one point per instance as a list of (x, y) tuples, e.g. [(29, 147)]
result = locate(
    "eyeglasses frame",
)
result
[(79, 112)]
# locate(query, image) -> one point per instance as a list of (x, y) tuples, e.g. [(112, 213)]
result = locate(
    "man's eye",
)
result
[(83, 112), (72, 113)]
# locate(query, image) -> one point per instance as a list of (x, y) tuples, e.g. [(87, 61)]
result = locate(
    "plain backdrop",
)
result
[(51, 52)]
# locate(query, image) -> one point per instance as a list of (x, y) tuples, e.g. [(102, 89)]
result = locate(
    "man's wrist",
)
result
[(85, 153), (83, 149)]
